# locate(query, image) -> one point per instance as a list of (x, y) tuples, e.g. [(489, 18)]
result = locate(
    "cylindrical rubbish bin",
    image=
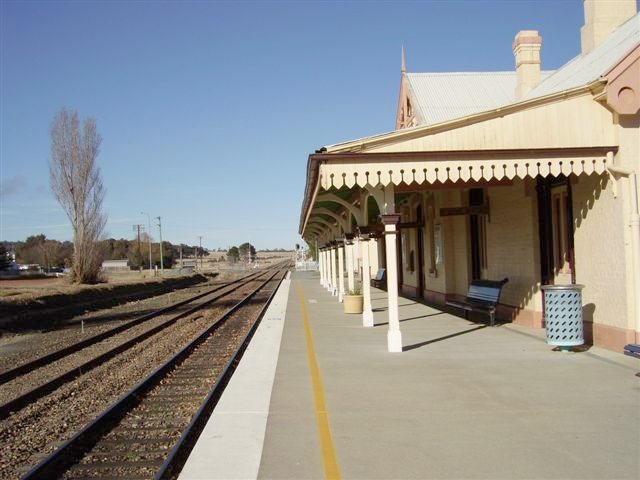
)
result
[(563, 314)]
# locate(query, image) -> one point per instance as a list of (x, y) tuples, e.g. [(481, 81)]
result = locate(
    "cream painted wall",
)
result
[(512, 243), (600, 250), (575, 122)]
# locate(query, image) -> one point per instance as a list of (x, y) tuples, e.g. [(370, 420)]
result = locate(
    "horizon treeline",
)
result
[(48, 253), (53, 254)]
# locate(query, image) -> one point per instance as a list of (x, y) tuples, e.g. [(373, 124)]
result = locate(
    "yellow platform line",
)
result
[(329, 462)]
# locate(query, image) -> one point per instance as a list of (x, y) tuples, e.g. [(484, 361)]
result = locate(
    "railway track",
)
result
[(44, 422), (46, 359), (35, 388), (149, 431)]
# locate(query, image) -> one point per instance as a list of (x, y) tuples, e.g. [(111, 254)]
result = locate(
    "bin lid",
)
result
[(573, 286)]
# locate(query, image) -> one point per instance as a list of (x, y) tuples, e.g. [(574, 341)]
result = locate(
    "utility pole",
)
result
[(149, 237), (160, 228), (137, 227), (200, 251)]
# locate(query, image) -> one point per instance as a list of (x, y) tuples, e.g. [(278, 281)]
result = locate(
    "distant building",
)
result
[(114, 265)]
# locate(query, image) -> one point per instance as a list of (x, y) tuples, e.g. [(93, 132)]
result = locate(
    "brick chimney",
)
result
[(526, 50), (601, 17)]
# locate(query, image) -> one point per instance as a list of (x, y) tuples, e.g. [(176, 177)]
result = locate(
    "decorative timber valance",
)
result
[(354, 169)]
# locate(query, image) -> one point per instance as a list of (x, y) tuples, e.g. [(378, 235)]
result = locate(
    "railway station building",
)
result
[(530, 175)]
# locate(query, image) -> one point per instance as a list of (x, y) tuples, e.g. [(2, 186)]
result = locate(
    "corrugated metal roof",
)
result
[(445, 96), (585, 69)]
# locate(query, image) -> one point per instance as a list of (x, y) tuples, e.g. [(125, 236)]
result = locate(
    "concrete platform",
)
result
[(461, 401)]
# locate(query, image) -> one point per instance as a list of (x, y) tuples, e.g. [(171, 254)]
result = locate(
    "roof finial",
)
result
[(403, 69)]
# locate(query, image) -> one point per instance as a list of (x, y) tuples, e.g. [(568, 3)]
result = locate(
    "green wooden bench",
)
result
[(483, 296)]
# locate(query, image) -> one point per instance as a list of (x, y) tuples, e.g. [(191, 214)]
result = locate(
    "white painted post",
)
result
[(349, 250), (367, 312), (329, 270), (321, 265), (334, 272), (394, 337), (340, 273)]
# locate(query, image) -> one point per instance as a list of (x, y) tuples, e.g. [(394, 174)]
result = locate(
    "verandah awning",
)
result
[(336, 170)]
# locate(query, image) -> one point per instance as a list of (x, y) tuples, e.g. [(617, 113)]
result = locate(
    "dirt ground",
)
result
[(31, 282)]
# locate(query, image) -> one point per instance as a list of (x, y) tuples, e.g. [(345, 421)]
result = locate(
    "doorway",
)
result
[(478, 235), (555, 229)]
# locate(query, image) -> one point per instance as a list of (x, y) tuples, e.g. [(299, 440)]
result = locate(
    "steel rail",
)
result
[(38, 392), (69, 452), (12, 374)]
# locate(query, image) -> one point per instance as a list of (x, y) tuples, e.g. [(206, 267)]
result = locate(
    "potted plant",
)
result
[(353, 301)]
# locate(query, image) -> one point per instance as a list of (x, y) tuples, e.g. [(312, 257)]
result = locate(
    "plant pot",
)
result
[(353, 303)]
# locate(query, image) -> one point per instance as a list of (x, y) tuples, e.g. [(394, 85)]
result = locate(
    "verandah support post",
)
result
[(329, 269), (367, 312), (349, 250), (340, 272), (320, 265), (394, 337), (325, 268), (327, 259), (334, 272)]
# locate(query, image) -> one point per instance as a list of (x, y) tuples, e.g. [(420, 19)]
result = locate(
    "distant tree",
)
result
[(233, 255), (5, 258), (77, 185), (51, 254), (167, 254), (115, 249), (135, 257), (30, 251), (67, 254), (187, 250), (43, 251), (247, 252)]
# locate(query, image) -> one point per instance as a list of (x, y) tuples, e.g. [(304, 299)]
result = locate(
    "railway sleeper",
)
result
[(126, 476), (146, 426), (187, 375), (130, 436), (116, 465), (108, 459), (125, 443), (113, 451), (179, 380), (163, 396), (169, 404), (201, 366), (161, 414)]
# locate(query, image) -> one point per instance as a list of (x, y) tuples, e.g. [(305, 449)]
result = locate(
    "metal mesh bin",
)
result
[(563, 314)]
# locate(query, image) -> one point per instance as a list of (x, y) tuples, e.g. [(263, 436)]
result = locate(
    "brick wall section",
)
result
[(512, 244), (600, 251)]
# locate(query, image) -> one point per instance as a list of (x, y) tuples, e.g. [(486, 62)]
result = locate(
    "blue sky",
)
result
[(208, 110)]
